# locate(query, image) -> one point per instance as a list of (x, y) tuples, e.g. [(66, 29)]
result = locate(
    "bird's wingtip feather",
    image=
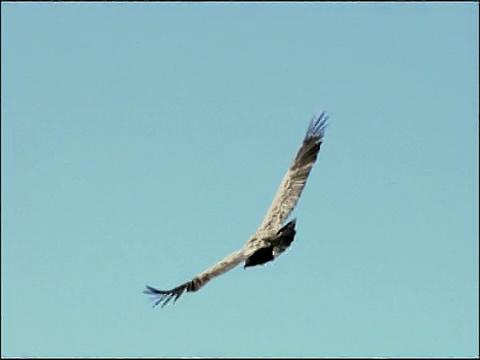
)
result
[(157, 296), (318, 124), (163, 297)]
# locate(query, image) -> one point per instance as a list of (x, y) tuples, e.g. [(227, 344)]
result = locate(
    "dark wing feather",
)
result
[(295, 179), (163, 297)]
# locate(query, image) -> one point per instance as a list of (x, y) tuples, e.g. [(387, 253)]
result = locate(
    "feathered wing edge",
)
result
[(163, 297), (294, 180)]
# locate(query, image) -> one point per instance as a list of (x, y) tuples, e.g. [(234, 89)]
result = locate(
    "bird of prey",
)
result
[(271, 238)]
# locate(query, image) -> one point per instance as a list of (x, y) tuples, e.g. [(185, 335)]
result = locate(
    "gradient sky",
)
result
[(141, 143)]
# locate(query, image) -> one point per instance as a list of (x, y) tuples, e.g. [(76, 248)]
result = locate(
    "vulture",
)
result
[(272, 237)]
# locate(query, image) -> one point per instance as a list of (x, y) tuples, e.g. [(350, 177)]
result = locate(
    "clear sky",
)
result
[(141, 143)]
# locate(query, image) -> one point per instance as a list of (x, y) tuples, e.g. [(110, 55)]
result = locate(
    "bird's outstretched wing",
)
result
[(283, 203), (295, 179), (163, 297)]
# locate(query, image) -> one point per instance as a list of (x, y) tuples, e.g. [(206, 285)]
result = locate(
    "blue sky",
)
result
[(143, 142)]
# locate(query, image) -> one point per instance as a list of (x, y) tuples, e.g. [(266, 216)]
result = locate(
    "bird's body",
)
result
[(271, 238), (275, 246)]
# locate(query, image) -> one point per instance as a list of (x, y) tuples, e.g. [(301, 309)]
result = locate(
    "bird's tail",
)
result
[(289, 227), (284, 238)]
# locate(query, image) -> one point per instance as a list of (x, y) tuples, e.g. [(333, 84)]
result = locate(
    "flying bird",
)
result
[(271, 238)]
